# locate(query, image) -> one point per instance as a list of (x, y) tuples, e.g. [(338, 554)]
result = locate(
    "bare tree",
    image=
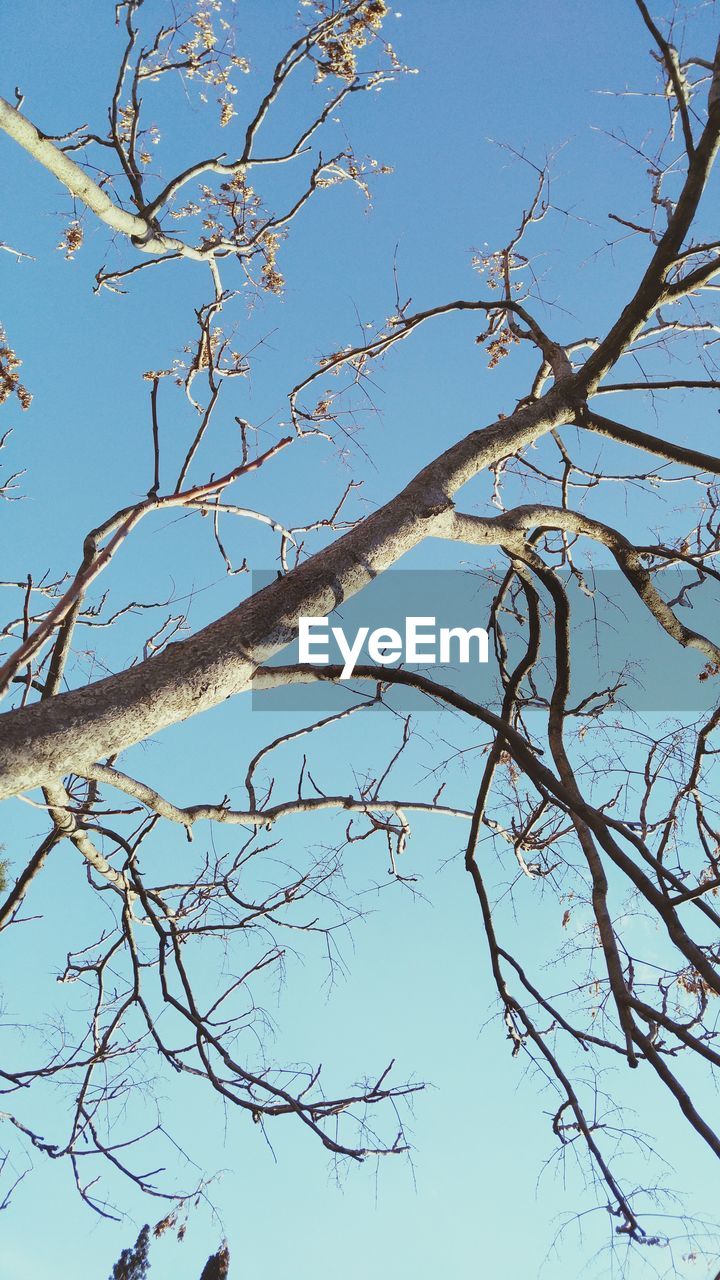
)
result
[(554, 791)]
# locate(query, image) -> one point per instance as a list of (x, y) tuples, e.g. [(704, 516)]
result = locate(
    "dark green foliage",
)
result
[(134, 1264), (218, 1265)]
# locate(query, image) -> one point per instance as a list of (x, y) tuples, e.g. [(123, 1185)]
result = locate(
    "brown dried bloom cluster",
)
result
[(189, 210), (201, 52), (239, 201), (340, 48), (212, 351), (129, 133), (500, 345), (338, 360), (126, 122), (72, 239), (203, 353), (227, 111), (272, 279), (10, 383), (235, 214), (694, 984), (236, 201), (497, 268)]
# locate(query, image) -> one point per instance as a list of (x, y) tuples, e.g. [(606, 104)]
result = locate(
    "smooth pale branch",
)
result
[(385, 645)]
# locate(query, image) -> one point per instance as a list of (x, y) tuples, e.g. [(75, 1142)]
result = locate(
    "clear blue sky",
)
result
[(417, 987)]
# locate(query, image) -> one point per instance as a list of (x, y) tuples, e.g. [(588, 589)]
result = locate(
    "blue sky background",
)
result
[(417, 985)]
